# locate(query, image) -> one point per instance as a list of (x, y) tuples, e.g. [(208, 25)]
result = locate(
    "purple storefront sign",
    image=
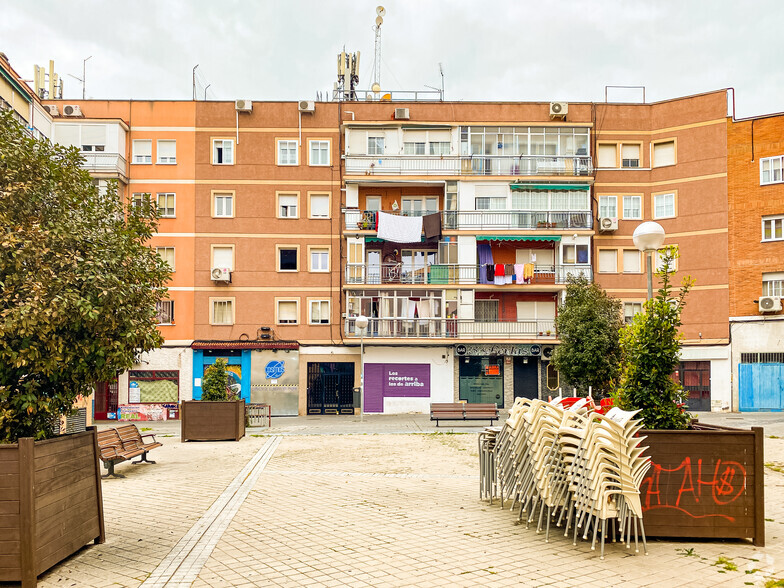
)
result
[(395, 380)]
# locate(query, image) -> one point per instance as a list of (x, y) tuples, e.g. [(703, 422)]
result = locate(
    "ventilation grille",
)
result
[(772, 357)]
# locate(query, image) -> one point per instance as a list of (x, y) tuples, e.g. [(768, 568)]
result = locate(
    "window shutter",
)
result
[(287, 311), (68, 135), (607, 156), (608, 261), (223, 257), (167, 149), (664, 153), (142, 148), (93, 134), (631, 261), (319, 205), (630, 152)]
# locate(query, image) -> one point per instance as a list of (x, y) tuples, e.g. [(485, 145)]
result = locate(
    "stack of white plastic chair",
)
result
[(487, 465), (507, 447), (606, 471)]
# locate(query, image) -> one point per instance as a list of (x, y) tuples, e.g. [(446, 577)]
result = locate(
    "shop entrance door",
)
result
[(331, 388), (526, 377), (105, 400), (695, 379)]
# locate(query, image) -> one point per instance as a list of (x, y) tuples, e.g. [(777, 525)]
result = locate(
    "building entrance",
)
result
[(331, 388), (105, 400), (526, 377)]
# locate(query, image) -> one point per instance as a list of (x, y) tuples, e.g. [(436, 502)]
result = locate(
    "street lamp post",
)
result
[(361, 324), (649, 237)]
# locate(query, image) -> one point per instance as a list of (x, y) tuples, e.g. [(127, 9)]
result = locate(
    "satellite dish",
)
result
[(379, 20), (376, 88), (381, 11)]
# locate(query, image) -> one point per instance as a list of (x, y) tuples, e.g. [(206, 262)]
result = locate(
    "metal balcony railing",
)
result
[(484, 219), (401, 273), (469, 165), (452, 328), (104, 162)]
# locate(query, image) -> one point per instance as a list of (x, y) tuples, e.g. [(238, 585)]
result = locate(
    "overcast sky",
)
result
[(516, 50)]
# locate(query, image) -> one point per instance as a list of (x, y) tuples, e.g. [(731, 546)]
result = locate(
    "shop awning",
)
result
[(518, 237), (520, 187), (244, 344)]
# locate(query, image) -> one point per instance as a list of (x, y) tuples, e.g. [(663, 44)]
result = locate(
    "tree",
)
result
[(78, 282), (588, 325), (651, 347), (215, 383)]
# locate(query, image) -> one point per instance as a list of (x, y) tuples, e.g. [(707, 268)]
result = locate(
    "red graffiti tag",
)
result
[(727, 484)]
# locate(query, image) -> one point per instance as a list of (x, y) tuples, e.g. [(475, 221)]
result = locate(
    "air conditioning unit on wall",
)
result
[(52, 109), (220, 274), (307, 106), (243, 105), (72, 110), (769, 304), (559, 109), (402, 114), (608, 223)]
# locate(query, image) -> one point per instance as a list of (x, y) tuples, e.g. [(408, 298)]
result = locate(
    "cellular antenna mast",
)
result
[(380, 13)]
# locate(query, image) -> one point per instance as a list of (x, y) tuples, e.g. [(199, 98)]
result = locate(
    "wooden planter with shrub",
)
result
[(203, 420), (705, 482), (50, 503)]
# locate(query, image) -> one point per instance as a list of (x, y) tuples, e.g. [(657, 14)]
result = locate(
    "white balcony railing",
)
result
[(450, 328), (104, 162), (401, 273), (485, 219), (469, 165)]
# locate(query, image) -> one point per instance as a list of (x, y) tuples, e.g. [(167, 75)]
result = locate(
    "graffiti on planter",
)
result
[(701, 491)]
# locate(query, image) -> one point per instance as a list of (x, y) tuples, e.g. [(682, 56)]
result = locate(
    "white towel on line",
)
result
[(399, 229)]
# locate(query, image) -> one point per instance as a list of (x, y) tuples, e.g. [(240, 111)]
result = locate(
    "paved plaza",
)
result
[(391, 501)]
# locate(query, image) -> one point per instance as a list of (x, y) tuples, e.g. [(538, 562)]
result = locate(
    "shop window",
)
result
[(153, 386)]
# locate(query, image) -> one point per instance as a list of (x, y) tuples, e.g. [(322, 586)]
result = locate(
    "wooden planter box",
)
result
[(706, 482), (50, 503), (202, 420)]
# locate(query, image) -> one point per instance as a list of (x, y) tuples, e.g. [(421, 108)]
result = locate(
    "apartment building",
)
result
[(756, 250)]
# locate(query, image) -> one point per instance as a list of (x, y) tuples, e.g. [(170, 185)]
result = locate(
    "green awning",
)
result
[(519, 187), (518, 237)]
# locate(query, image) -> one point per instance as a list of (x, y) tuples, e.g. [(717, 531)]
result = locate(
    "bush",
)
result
[(215, 384), (650, 348), (78, 282)]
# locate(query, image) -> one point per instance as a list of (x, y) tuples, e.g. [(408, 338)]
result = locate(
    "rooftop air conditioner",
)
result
[(769, 304), (608, 223), (52, 109), (243, 105), (220, 274), (307, 106), (559, 109), (402, 114), (72, 110)]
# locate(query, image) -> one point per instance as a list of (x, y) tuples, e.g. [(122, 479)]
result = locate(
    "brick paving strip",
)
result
[(184, 562)]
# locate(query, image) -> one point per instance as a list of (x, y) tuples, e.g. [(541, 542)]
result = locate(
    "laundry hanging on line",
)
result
[(399, 229)]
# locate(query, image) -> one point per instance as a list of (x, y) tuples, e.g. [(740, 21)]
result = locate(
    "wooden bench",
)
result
[(462, 411), (113, 451), (132, 439)]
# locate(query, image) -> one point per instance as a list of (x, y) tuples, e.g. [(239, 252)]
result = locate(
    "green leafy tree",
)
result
[(651, 347), (78, 282), (588, 325), (215, 383)]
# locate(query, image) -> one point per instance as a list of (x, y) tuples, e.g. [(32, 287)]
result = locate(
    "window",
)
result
[(413, 148), (167, 152), (223, 256), (664, 205), (142, 151), (440, 148), (657, 262), (153, 387), (319, 153), (553, 377), (608, 261), (630, 309), (166, 204), (490, 203), (288, 312), (630, 155), (631, 261), (287, 153), (287, 205), (375, 146), (167, 255), (772, 228), (771, 169), (287, 258), (632, 207), (93, 138), (222, 152), (664, 153), (319, 312), (608, 155), (221, 311), (165, 312), (573, 254), (140, 199), (419, 206), (773, 284), (223, 205), (608, 206), (319, 259), (486, 311), (319, 205)]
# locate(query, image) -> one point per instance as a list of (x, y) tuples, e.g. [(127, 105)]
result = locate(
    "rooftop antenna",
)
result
[(83, 79), (380, 13), (348, 68)]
